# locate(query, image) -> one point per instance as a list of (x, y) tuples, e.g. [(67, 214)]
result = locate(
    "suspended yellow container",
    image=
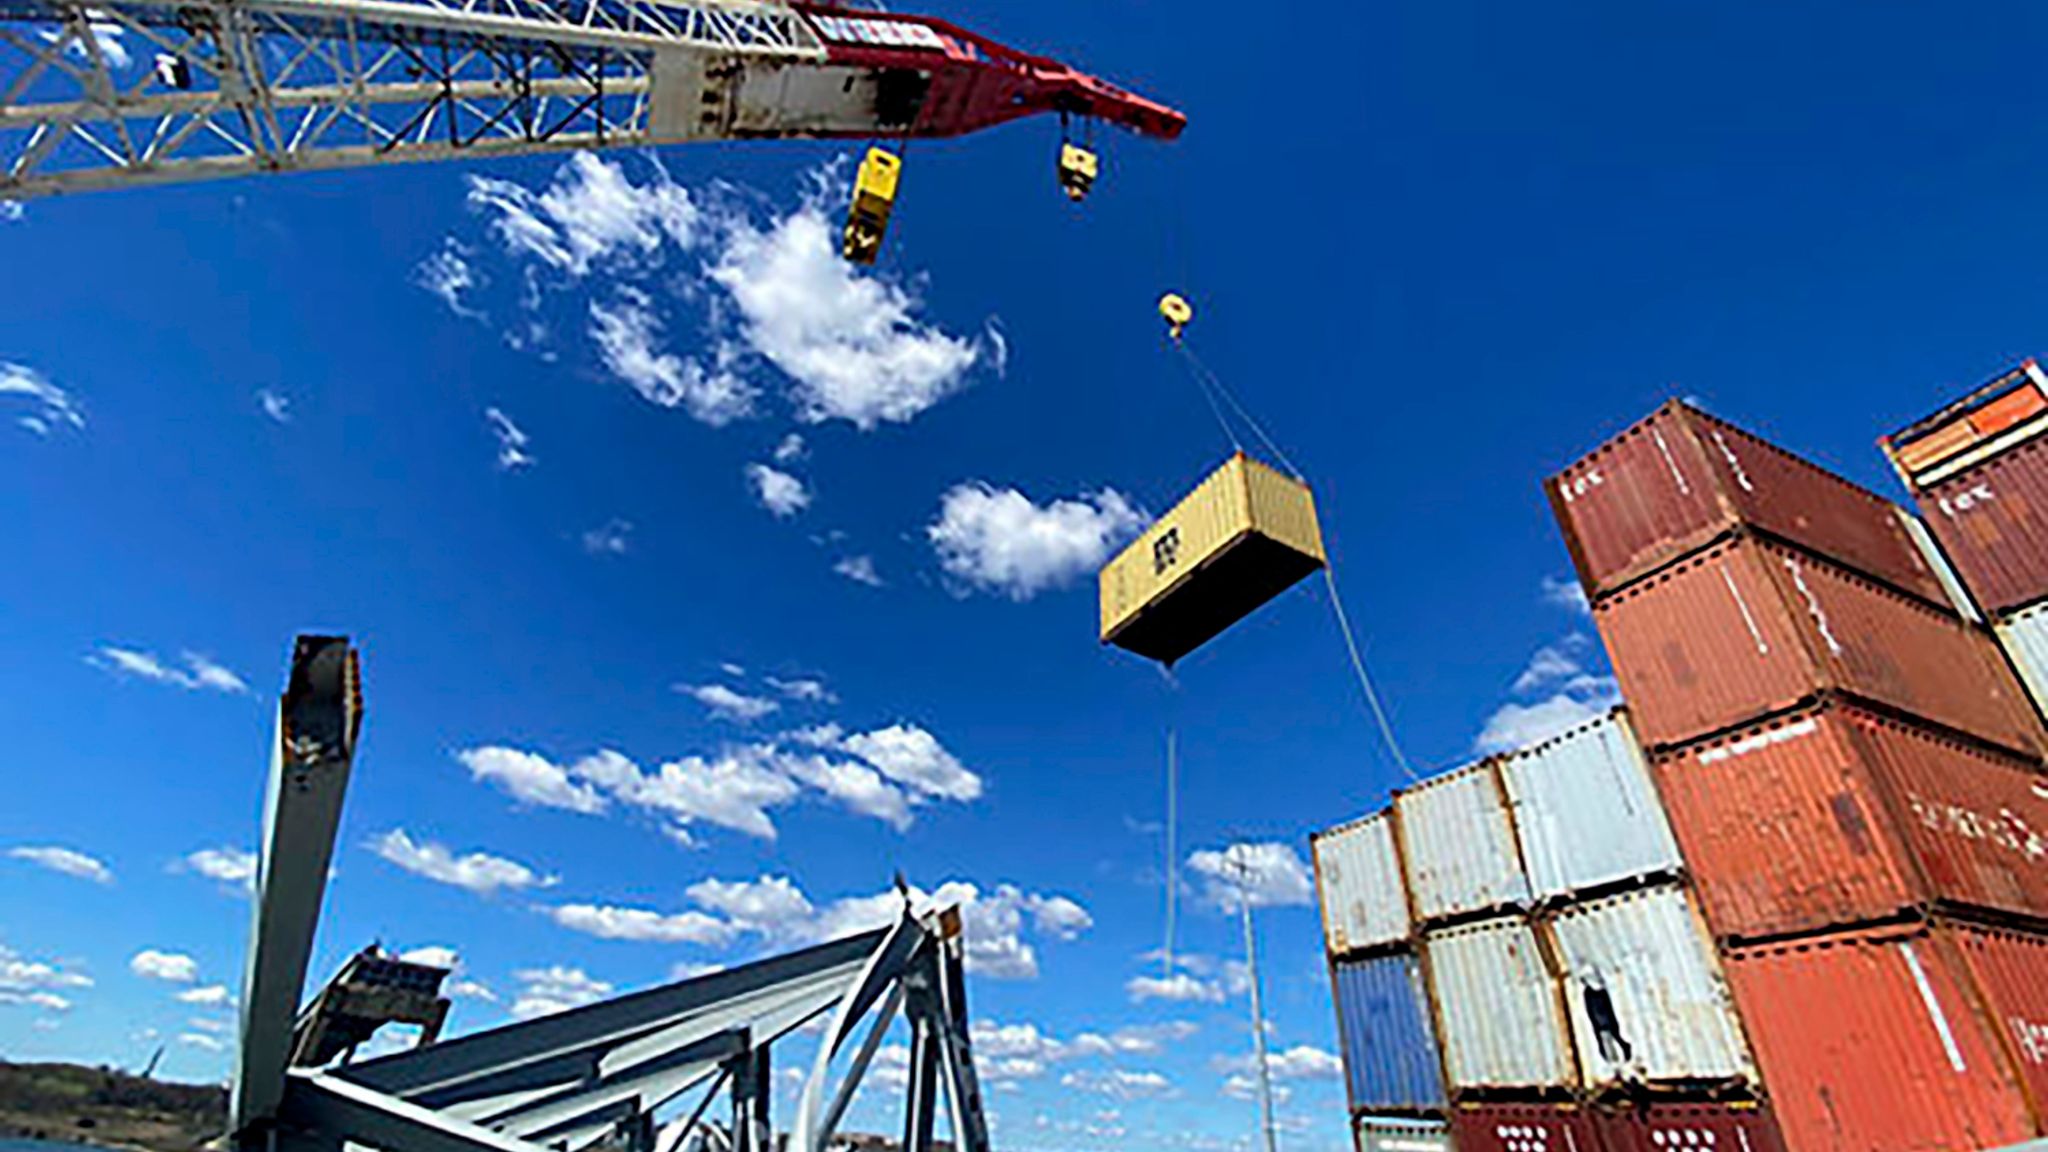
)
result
[(874, 199), (1242, 537)]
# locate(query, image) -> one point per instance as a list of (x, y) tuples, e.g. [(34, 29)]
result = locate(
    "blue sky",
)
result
[(637, 702)]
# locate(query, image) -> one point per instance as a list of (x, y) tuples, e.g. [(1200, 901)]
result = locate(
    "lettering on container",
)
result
[(1967, 499), (2033, 1037), (2007, 830), (1166, 550), (1578, 486), (883, 33), (1761, 740)]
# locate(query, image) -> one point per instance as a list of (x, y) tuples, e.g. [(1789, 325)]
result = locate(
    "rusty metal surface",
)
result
[(1871, 1042), (1698, 1127), (1750, 626), (1992, 521), (1644, 993), (1359, 884), (1497, 1007), (2010, 968), (1458, 846), (1834, 815), (1585, 811), (1525, 1128), (1680, 477)]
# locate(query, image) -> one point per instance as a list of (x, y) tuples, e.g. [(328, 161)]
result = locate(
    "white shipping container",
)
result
[(1400, 1134), (1645, 994), (1497, 1003), (1459, 847), (1585, 810), (1358, 881), (2024, 634)]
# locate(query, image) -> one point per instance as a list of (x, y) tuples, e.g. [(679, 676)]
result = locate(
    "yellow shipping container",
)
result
[(1242, 537)]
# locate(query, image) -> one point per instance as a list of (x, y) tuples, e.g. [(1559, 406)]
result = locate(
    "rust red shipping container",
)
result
[(1992, 521), (1890, 1040), (1657, 1127), (1750, 626), (1835, 815), (1680, 478)]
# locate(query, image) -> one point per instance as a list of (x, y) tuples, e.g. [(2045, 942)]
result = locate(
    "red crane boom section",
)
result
[(975, 82)]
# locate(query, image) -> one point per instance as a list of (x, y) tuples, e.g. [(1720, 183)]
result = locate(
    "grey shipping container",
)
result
[(1585, 810), (1458, 847), (1400, 1134), (1497, 1001), (1391, 1058), (1358, 883)]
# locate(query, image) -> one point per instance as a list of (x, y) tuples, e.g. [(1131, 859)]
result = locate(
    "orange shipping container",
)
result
[(1750, 626), (1680, 478), (1835, 815), (1871, 1041), (2011, 971)]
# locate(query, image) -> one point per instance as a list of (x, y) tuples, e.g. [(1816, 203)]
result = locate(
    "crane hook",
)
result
[(1177, 312)]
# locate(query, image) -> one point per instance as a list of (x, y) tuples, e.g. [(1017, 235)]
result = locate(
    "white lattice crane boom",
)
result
[(115, 93)]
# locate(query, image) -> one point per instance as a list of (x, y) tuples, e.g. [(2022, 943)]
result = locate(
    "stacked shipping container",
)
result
[(1513, 948), (1848, 764)]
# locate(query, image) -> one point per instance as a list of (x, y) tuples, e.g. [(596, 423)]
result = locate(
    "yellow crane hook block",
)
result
[(1078, 168), (874, 198), (1242, 537), (1176, 311)]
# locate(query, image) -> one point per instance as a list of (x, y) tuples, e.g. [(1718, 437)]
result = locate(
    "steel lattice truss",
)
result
[(124, 92)]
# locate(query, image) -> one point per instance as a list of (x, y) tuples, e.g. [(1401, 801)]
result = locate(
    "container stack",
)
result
[(1851, 771), (1521, 929)]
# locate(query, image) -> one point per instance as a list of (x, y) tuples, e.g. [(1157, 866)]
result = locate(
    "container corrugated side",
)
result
[(1526, 1128), (1400, 1134), (1644, 990), (2010, 967), (1992, 520), (1834, 815), (1870, 1040), (1670, 1126), (1675, 480), (1498, 1007), (2024, 636), (1585, 810), (1215, 513), (1391, 1057), (1458, 847), (1282, 508), (1748, 627), (1359, 884), (1951, 581)]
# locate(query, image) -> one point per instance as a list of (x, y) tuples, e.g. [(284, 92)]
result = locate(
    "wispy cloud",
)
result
[(54, 407), (614, 537), (1566, 593), (169, 967), (275, 404), (234, 867), (781, 493), (511, 440), (449, 276), (478, 872), (1267, 874), (999, 540), (790, 449), (629, 337), (728, 703), (557, 988), (859, 569), (65, 860), (199, 673)]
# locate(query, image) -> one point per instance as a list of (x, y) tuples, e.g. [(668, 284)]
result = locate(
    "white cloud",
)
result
[(591, 214), (906, 754), (1550, 664), (64, 860), (471, 990), (511, 440), (608, 922), (852, 345), (1566, 593), (203, 1041), (1301, 1062), (1179, 988), (172, 967), (229, 865), (106, 36), (733, 790), (275, 404), (1135, 1039), (807, 690), (1515, 725), (45, 1000), (727, 703), (857, 786), (1121, 1083), (432, 955), (209, 995), (529, 779), (612, 538), (36, 983), (545, 991), (1058, 916), (11, 211), (779, 492), (628, 336), (1268, 874), (208, 1024), (859, 569), (477, 872), (790, 448), (448, 274), (998, 540), (770, 906), (199, 672), (54, 406)]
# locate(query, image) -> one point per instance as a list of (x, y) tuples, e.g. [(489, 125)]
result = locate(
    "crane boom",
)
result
[(116, 93)]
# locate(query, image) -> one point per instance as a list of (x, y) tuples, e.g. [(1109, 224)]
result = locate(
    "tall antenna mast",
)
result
[(1242, 869)]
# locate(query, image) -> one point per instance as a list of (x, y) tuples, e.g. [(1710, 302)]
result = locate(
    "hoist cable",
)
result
[(1372, 696), (1172, 847), (1216, 382), (1201, 380)]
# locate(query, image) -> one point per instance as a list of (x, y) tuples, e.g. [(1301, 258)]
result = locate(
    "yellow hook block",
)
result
[(1177, 312)]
